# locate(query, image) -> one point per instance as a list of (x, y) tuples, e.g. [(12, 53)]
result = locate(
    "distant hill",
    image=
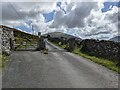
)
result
[(115, 39), (60, 34)]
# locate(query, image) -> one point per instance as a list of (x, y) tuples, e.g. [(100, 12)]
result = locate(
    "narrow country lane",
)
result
[(57, 69)]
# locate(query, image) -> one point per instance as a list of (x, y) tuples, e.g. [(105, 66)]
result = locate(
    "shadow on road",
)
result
[(25, 50), (57, 51), (34, 50)]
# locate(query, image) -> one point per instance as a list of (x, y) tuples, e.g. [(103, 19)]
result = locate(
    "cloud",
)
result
[(52, 0), (100, 24), (114, 17), (14, 11), (75, 15), (20, 13)]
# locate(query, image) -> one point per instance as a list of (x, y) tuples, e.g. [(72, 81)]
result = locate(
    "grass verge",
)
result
[(104, 62), (3, 59)]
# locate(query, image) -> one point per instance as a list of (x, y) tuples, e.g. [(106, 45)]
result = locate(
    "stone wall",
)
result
[(6, 38), (104, 49), (0, 40)]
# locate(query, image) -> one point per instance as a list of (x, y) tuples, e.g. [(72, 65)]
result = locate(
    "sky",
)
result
[(98, 19)]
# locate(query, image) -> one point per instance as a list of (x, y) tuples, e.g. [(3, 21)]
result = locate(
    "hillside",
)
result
[(60, 34), (115, 39)]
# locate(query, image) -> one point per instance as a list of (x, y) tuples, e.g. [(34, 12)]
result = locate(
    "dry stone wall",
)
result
[(6, 38), (103, 49), (0, 40)]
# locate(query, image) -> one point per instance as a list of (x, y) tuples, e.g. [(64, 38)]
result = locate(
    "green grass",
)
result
[(62, 46), (107, 63), (3, 59), (104, 62), (0, 60)]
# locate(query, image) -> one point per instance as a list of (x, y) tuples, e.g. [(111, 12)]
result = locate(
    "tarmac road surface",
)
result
[(57, 69)]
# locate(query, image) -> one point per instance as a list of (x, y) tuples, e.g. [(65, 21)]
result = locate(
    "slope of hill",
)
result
[(60, 34), (115, 39)]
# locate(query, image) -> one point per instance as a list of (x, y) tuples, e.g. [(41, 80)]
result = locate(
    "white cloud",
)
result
[(51, 0), (23, 10), (76, 13), (39, 24), (100, 25), (18, 13)]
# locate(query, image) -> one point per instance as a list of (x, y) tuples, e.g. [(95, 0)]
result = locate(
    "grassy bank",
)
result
[(3, 59), (104, 62)]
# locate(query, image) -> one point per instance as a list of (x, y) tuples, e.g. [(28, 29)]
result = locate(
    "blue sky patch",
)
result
[(109, 5), (49, 16), (29, 22), (24, 28)]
